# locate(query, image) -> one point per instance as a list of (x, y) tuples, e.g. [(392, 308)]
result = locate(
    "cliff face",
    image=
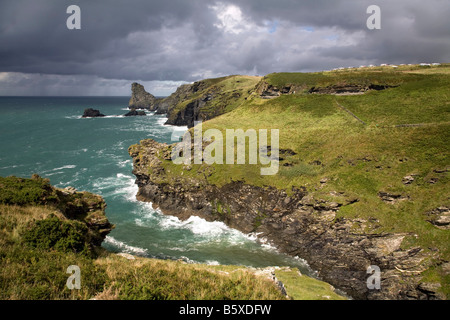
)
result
[(340, 249), (207, 99), (141, 99), (181, 94), (199, 101)]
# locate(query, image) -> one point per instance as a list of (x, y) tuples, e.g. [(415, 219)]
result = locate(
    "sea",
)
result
[(48, 136)]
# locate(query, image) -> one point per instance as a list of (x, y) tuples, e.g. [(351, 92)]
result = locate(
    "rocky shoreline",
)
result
[(339, 249)]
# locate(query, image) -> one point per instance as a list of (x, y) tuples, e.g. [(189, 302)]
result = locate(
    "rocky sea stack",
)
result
[(141, 99)]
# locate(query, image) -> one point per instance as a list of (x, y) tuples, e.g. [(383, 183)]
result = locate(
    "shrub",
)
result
[(21, 191), (53, 233)]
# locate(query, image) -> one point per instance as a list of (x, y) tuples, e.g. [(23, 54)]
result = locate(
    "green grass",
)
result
[(299, 287), (152, 279)]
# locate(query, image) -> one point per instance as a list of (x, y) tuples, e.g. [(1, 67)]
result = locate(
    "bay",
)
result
[(47, 136)]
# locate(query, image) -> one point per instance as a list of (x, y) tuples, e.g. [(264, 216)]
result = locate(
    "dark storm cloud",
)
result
[(185, 40)]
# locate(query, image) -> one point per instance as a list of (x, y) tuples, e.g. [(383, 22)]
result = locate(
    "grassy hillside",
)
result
[(361, 146)]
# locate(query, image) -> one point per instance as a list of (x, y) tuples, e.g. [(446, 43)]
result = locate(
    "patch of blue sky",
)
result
[(272, 26), (332, 37)]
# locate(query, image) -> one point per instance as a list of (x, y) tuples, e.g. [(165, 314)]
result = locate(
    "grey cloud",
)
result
[(180, 40)]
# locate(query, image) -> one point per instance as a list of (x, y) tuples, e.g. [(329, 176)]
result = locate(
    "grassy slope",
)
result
[(358, 159)]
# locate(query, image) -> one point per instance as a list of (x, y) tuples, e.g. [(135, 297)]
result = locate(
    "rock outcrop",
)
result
[(92, 113), (268, 91), (133, 113), (440, 217), (339, 249), (348, 89), (141, 99), (85, 207)]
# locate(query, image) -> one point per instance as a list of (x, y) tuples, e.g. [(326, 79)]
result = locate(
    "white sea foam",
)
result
[(78, 175), (70, 166), (113, 116), (123, 164), (162, 121), (125, 247), (208, 231), (9, 167), (73, 117), (121, 184), (53, 173)]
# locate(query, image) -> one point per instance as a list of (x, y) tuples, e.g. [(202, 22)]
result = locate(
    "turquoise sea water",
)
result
[(47, 136)]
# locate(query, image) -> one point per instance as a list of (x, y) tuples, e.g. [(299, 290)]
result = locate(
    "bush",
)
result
[(21, 191), (53, 233)]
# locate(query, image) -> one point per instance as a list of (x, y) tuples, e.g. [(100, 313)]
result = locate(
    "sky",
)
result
[(163, 44)]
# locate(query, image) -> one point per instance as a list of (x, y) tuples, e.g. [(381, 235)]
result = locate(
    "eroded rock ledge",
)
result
[(340, 249)]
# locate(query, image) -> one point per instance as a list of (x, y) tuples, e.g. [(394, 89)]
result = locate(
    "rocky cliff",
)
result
[(340, 249), (141, 99), (207, 99), (198, 101)]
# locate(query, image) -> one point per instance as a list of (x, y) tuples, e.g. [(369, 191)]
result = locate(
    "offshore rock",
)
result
[(339, 249), (134, 113), (141, 99), (92, 113)]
